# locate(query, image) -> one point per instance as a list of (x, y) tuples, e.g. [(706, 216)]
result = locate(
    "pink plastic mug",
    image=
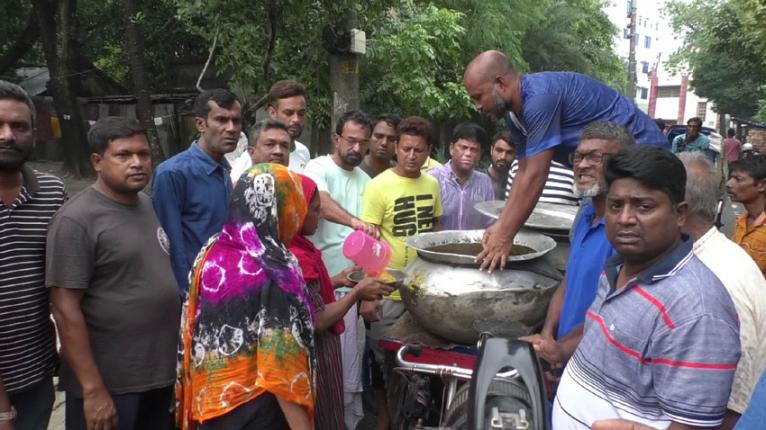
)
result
[(370, 254)]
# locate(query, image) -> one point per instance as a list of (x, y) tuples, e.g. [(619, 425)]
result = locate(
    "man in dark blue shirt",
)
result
[(545, 113), (191, 190)]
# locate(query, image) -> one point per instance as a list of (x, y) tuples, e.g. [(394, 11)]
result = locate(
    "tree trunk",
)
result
[(135, 50), (25, 40), (57, 22)]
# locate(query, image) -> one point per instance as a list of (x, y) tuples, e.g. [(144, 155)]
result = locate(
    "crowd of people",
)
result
[(225, 301)]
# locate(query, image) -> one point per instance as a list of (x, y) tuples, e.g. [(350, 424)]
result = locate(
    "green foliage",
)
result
[(167, 40), (576, 35), (414, 65), (722, 54)]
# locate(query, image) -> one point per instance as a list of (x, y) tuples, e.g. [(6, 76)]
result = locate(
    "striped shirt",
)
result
[(663, 348), (559, 187), (27, 338)]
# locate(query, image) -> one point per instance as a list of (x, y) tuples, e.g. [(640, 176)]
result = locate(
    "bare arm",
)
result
[(98, 406), (333, 212), (526, 190), (295, 414), (366, 289), (554, 310)]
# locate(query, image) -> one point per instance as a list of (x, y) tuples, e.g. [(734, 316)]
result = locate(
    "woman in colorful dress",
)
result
[(329, 313), (247, 357)]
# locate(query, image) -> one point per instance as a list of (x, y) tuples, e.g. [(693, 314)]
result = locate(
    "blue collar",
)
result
[(589, 213), (665, 267), (210, 164)]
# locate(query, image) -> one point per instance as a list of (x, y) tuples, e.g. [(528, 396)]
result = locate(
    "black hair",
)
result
[(267, 124), (652, 166), (356, 116), (470, 131), (221, 97), (390, 119), (696, 119), (110, 128), (12, 91), (416, 126), (755, 166), (660, 123), (505, 136), (730, 132), (285, 89)]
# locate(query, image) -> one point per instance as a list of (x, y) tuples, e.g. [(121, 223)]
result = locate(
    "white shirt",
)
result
[(747, 289), (298, 159)]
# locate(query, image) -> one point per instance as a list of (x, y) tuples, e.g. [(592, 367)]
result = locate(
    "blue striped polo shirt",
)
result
[(662, 349)]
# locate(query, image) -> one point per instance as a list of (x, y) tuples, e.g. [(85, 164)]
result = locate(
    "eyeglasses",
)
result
[(354, 142), (593, 157)]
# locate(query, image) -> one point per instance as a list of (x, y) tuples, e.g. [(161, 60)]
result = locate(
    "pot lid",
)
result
[(546, 216), (424, 244)]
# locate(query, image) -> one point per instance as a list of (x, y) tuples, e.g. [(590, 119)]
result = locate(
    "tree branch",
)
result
[(24, 41)]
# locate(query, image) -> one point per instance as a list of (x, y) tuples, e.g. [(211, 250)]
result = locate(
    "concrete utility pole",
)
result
[(345, 44), (631, 90)]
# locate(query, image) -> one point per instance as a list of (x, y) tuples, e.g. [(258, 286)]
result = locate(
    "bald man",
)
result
[(545, 113)]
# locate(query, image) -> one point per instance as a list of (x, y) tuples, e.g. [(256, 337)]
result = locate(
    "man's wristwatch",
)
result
[(8, 415)]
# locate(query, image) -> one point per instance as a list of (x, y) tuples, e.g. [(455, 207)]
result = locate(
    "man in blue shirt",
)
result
[(693, 140), (191, 190), (590, 248), (545, 113)]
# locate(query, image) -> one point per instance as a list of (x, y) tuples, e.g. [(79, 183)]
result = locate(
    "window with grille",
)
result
[(669, 91)]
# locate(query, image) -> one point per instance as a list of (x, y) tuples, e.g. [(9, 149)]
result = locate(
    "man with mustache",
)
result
[(339, 178), (460, 185), (269, 142), (661, 340), (28, 200), (590, 247), (191, 190), (747, 185), (502, 154), (545, 113), (113, 293), (382, 146)]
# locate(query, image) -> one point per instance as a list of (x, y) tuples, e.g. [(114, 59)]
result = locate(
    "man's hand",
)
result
[(370, 289), (368, 228), (619, 425), (547, 349), (371, 310), (497, 247), (99, 410)]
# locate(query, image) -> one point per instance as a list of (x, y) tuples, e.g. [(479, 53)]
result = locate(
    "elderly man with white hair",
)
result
[(736, 270)]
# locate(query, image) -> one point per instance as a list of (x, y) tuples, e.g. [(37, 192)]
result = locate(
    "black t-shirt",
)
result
[(119, 255)]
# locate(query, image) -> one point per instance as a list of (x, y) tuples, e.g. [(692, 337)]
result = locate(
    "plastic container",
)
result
[(365, 251)]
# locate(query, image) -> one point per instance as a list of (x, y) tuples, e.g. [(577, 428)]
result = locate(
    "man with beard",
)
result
[(339, 177), (461, 187), (382, 146), (191, 190), (502, 154), (545, 113), (28, 200), (590, 247), (113, 293)]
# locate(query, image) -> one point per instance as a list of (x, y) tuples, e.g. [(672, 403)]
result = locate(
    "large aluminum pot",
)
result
[(451, 298)]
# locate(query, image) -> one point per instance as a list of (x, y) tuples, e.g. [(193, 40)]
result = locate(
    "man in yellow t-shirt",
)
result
[(402, 202)]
